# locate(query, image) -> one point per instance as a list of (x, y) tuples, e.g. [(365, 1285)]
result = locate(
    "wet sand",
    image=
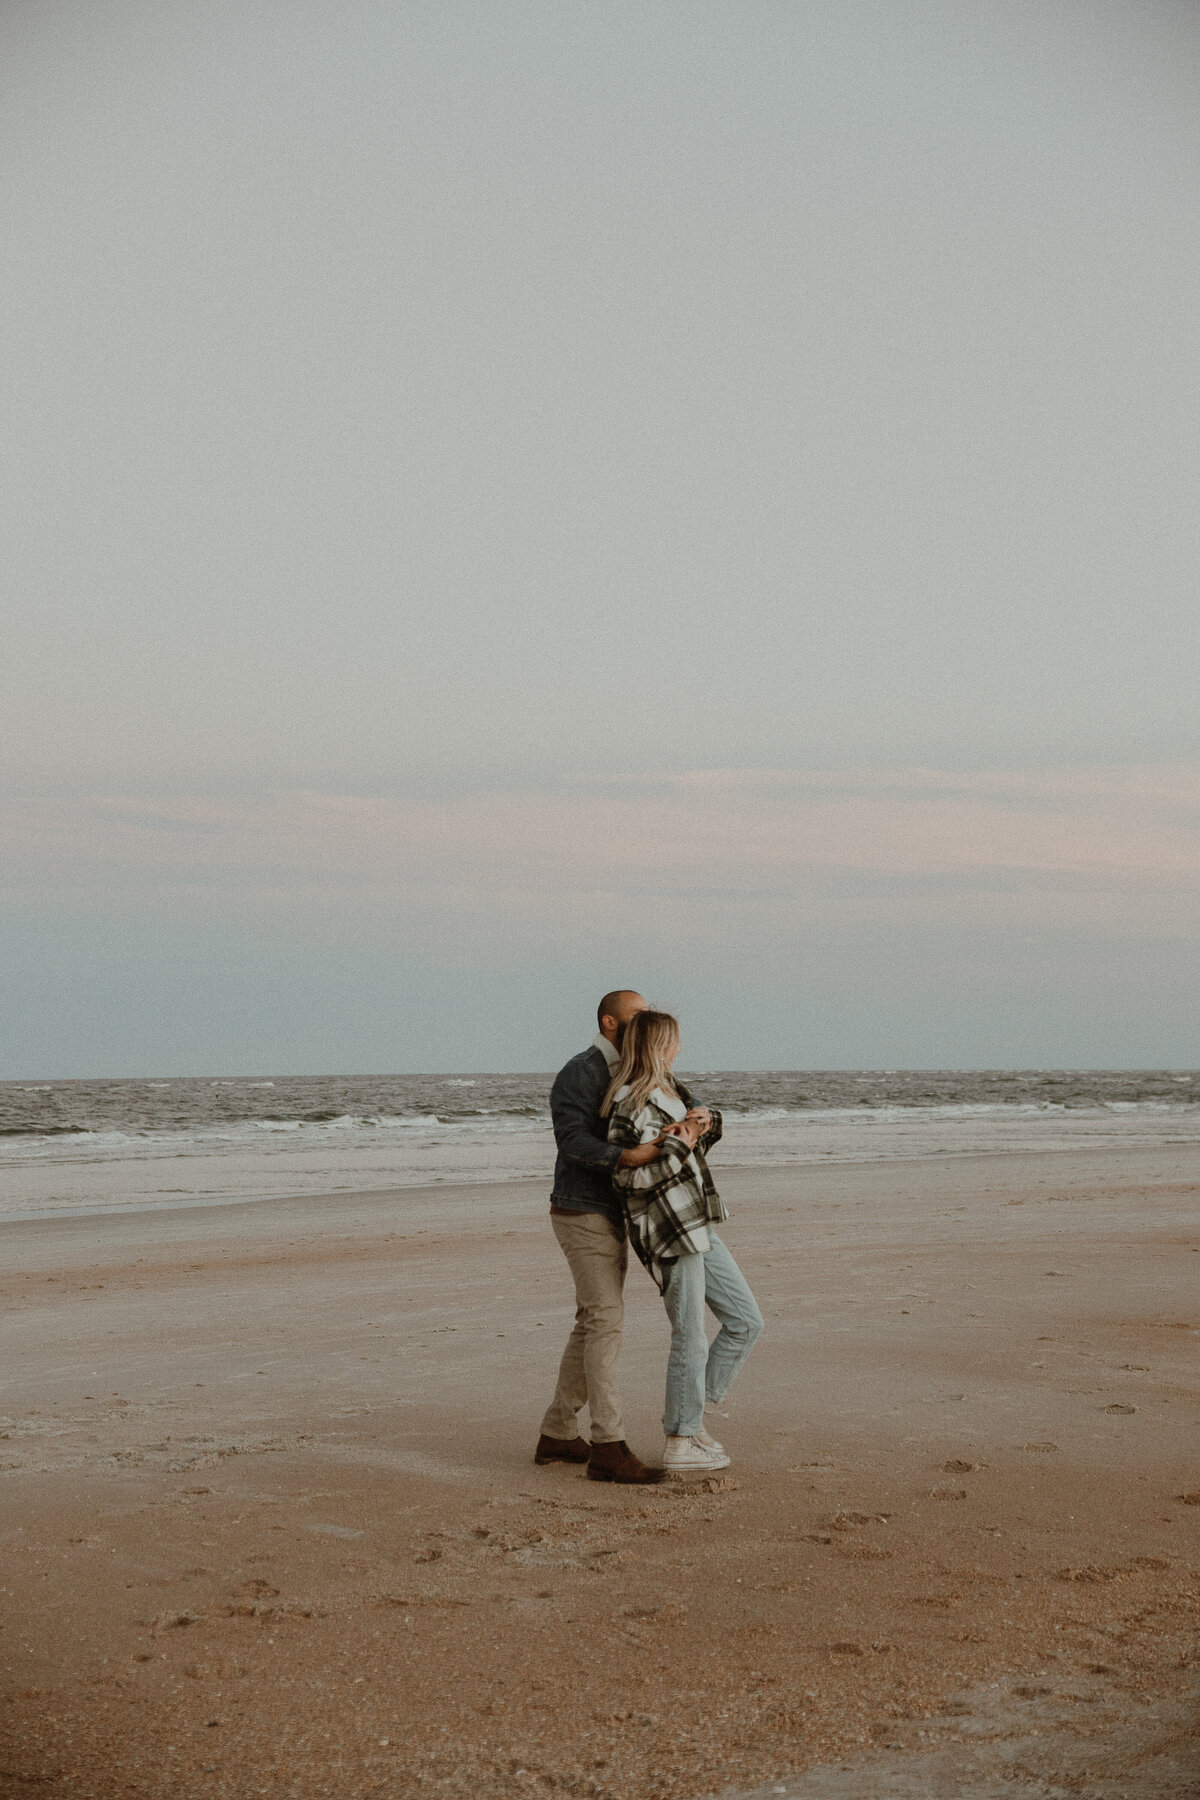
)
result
[(272, 1527)]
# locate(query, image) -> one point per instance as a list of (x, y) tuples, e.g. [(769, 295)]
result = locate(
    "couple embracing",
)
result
[(631, 1169)]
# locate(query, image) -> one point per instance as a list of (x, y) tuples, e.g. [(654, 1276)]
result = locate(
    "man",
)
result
[(588, 1221)]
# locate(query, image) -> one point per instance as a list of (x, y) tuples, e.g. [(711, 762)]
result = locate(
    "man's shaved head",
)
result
[(617, 1008)]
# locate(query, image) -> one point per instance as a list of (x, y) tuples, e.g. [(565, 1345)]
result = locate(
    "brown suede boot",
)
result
[(616, 1462), (561, 1450)]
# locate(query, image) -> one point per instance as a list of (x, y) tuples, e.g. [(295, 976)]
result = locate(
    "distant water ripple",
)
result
[(109, 1144)]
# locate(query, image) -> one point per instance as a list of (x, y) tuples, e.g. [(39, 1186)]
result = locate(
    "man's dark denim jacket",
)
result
[(584, 1166)]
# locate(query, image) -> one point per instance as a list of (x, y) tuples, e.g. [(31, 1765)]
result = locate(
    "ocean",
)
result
[(68, 1147)]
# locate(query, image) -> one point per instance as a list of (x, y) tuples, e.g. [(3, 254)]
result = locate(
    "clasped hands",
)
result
[(691, 1128)]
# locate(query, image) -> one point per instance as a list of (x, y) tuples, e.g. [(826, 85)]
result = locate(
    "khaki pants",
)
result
[(596, 1251)]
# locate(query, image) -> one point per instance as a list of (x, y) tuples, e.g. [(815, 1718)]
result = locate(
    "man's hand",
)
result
[(701, 1118), (638, 1157)]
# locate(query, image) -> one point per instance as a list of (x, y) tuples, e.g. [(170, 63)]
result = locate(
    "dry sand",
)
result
[(272, 1527)]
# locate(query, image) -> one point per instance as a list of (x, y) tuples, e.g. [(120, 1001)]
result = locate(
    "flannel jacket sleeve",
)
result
[(713, 1134), (625, 1134)]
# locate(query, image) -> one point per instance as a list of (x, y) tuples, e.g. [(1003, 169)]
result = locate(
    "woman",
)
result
[(671, 1207)]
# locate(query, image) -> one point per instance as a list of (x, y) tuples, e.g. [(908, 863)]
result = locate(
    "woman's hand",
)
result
[(701, 1117)]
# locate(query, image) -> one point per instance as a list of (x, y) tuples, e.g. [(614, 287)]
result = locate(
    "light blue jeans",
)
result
[(696, 1371)]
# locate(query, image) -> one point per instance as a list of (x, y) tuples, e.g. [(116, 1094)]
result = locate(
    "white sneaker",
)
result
[(691, 1456), (710, 1443)]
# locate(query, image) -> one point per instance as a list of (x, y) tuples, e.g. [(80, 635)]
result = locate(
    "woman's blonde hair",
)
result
[(650, 1042)]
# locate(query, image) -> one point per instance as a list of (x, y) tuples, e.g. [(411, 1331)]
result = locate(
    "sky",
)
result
[(505, 500)]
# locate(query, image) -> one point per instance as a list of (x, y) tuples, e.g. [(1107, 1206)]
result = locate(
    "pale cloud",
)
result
[(800, 918), (1122, 826)]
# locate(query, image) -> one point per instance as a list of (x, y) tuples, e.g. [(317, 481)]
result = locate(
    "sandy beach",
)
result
[(272, 1526)]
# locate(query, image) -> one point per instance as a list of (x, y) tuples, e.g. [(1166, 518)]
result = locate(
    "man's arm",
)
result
[(573, 1103)]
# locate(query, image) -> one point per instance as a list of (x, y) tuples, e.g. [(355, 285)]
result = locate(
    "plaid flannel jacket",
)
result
[(664, 1199)]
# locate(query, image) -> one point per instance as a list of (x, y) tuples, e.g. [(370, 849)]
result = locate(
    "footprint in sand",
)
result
[(1118, 1406), (183, 1575), (174, 1622), (1044, 1447)]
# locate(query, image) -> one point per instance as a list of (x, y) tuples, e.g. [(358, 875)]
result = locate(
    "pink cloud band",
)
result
[(1126, 828)]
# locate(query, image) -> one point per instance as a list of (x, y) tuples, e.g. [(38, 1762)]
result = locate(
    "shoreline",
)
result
[(426, 1188)]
